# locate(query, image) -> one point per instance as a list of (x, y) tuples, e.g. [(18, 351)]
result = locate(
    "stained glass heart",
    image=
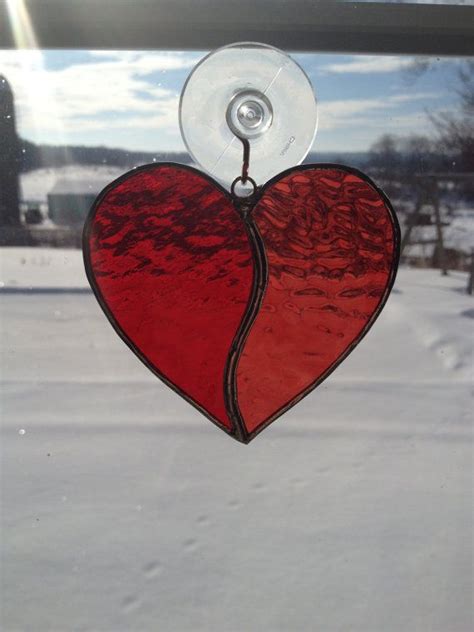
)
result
[(242, 312)]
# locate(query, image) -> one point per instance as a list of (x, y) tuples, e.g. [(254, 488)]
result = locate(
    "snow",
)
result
[(457, 235), (125, 510), (41, 269), (460, 232), (35, 185)]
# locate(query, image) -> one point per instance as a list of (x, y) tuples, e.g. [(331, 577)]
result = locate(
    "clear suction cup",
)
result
[(255, 92)]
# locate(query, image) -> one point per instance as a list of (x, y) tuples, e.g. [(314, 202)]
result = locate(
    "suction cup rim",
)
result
[(310, 132)]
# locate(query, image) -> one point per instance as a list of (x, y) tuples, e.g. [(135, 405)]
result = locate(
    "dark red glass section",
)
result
[(170, 261), (331, 242)]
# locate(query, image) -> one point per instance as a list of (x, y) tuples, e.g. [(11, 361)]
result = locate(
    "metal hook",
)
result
[(246, 159), (244, 178)]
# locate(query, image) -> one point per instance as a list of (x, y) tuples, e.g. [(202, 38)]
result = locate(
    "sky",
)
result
[(131, 99)]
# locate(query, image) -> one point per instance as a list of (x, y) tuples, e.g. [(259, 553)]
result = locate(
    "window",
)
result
[(123, 508)]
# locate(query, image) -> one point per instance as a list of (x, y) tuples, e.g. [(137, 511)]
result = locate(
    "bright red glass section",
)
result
[(169, 258), (330, 241)]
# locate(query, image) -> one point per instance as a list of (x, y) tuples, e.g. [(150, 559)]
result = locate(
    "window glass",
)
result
[(123, 507)]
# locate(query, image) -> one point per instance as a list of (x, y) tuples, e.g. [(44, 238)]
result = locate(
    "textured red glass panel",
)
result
[(242, 311), (331, 245), (169, 259)]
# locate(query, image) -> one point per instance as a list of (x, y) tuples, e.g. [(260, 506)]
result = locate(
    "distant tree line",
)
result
[(34, 156), (449, 149), (400, 157)]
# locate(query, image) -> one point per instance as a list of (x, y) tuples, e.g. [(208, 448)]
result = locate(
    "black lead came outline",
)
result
[(244, 207)]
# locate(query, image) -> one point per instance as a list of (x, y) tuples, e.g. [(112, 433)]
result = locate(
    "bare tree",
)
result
[(402, 159), (456, 130)]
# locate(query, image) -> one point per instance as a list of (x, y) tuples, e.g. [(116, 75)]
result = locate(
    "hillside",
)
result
[(43, 156)]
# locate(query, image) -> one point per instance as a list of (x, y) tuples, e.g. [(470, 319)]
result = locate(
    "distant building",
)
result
[(9, 158), (70, 200)]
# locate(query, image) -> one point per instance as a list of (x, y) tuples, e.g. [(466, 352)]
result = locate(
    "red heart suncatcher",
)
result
[(242, 307)]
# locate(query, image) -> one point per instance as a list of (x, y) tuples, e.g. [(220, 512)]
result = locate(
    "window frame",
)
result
[(296, 25)]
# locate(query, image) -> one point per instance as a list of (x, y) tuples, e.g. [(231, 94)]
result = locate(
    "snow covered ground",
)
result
[(35, 185), (457, 235), (125, 510)]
